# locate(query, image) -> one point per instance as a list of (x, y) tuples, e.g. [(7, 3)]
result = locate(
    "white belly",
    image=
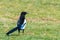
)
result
[(23, 25)]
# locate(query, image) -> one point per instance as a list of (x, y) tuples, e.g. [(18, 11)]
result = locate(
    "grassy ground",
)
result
[(43, 20)]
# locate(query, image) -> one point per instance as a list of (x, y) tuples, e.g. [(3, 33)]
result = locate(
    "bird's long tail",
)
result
[(11, 31)]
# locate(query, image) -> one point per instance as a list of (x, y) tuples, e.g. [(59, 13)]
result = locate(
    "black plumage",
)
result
[(19, 23)]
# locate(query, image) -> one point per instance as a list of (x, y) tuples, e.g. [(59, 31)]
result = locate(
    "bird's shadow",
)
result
[(14, 35)]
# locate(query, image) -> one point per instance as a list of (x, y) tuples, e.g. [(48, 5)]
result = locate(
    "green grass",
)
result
[(43, 20)]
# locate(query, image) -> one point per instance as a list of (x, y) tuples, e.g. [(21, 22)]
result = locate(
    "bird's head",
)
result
[(23, 13)]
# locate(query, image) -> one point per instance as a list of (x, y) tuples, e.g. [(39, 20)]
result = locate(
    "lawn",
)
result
[(43, 19)]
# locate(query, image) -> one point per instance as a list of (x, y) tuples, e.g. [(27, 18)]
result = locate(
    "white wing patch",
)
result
[(23, 25)]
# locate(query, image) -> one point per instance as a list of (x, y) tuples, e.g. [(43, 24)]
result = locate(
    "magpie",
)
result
[(21, 23)]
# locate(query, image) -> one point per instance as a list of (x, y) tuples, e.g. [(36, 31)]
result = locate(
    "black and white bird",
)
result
[(20, 24)]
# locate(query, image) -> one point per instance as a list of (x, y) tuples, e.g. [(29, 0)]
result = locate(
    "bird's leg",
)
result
[(23, 31), (18, 31)]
